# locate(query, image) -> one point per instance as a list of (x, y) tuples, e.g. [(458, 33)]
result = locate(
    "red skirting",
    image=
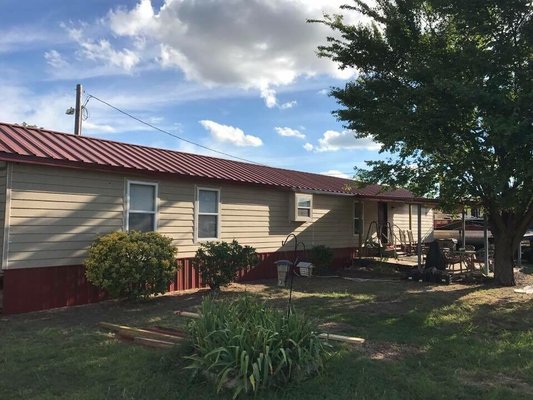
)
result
[(33, 289)]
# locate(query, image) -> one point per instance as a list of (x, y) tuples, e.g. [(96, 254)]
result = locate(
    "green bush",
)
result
[(243, 346), (131, 264), (321, 257), (219, 262)]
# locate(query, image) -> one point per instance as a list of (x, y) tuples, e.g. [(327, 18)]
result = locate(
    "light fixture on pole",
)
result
[(77, 111)]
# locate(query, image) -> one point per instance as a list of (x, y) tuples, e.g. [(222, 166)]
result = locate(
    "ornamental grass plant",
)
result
[(243, 346)]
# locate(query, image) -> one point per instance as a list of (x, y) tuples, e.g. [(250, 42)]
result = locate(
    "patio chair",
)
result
[(411, 240), (403, 242), (452, 260)]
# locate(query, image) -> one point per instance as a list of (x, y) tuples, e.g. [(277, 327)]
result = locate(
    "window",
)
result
[(141, 211), (357, 218), (208, 214), (302, 207)]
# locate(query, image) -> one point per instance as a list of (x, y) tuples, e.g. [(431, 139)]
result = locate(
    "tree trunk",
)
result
[(503, 258)]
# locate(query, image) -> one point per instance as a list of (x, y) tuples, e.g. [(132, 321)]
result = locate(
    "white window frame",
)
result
[(156, 203), (360, 218), (305, 197), (197, 213)]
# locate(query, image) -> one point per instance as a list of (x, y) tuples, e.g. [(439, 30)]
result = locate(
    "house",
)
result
[(58, 192)]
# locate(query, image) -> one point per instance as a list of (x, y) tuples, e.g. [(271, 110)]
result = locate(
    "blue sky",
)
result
[(238, 76)]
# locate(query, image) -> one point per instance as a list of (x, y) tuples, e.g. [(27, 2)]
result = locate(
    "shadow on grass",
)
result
[(458, 341)]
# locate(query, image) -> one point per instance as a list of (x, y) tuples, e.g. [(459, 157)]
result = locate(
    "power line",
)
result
[(90, 96)]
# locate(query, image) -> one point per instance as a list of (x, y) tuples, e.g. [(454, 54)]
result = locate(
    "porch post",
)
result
[(520, 253), (463, 227), (419, 234), (486, 242)]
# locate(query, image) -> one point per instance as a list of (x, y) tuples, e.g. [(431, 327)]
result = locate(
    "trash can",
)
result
[(283, 267)]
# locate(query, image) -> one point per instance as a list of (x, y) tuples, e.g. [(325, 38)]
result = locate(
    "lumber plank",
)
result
[(341, 338), (137, 332), (187, 314)]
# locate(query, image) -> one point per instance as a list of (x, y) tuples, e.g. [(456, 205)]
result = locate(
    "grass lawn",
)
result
[(423, 341)]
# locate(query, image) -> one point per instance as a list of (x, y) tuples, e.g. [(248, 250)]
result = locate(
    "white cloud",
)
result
[(335, 173), (334, 141), (55, 59), (19, 104), (100, 52), (231, 134), (308, 147), (249, 44), (271, 100), (98, 127), (103, 51), (124, 22), (22, 38), (289, 104), (323, 92), (269, 95), (289, 132)]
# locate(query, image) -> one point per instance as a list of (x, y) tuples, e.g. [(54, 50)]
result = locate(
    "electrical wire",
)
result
[(90, 96), (84, 110)]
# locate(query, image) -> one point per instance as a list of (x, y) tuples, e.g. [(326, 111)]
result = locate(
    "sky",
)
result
[(238, 76)]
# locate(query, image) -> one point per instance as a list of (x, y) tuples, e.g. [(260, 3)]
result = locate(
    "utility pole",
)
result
[(77, 111)]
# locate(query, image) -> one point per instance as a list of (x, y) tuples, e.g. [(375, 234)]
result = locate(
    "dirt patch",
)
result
[(386, 351), (492, 380), (523, 279), (339, 328), (372, 272)]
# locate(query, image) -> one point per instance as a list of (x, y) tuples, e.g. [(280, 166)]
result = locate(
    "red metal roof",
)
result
[(45, 147)]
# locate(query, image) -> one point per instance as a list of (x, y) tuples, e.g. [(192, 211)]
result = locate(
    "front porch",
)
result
[(457, 265), (394, 229)]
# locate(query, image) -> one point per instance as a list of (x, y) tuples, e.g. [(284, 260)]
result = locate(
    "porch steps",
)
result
[(398, 251)]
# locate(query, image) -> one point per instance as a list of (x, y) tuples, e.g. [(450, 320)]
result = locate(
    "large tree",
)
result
[(446, 87)]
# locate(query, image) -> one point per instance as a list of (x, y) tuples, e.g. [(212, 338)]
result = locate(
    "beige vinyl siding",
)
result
[(400, 219), (254, 216), (3, 187), (260, 217), (176, 214), (56, 213)]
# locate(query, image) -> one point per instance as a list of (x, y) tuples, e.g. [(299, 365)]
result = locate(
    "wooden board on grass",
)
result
[(144, 333)]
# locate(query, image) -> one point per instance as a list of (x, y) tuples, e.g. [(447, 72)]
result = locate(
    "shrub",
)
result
[(131, 264), (244, 346), (219, 262), (321, 256)]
